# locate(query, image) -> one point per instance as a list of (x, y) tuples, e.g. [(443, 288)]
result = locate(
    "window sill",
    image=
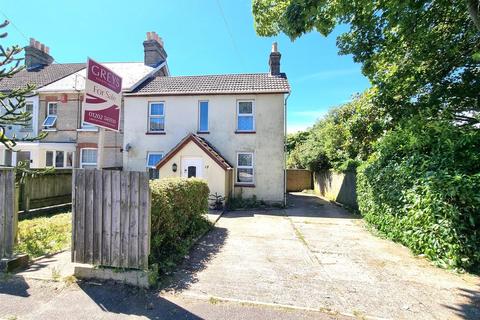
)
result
[(156, 133), (244, 185), (245, 132), (49, 130), (203, 132)]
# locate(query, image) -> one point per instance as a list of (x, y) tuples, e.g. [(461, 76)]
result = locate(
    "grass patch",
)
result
[(44, 235)]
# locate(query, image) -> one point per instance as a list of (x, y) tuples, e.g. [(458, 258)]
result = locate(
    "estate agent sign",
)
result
[(103, 97)]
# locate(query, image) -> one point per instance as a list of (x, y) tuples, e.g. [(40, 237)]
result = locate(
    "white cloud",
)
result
[(292, 128)]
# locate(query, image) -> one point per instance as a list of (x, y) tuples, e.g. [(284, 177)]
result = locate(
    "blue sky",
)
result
[(201, 37)]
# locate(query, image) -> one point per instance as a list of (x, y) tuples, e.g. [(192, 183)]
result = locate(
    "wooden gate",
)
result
[(111, 218), (8, 214)]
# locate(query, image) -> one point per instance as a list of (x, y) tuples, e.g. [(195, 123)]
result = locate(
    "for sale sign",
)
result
[(103, 97)]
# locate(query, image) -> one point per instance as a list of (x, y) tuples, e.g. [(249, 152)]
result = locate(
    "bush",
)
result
[(178, 208), (44, 235), (421, 188)]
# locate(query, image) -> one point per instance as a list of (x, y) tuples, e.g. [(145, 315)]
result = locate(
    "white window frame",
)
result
[(245, 115), (200, 115), (29, 125), (87, 163), (149, 153), (54, 162), (54, 115), (245, 167), (48, 108), (149, 116)]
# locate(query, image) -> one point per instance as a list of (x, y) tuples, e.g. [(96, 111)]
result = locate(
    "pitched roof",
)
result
[(214, 84), (130, 72), (203, 144), (39, 77)]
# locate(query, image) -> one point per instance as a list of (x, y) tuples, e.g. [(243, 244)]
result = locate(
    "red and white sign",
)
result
[(103, 97)]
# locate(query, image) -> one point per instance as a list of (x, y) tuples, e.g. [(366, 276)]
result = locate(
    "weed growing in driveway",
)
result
[(44, 235), (213, 300)]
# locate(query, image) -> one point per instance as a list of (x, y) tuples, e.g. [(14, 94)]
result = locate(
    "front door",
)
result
[(192, 167)]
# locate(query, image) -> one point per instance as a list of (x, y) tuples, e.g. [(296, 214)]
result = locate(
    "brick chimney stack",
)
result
[(154, 52), (274, 61), (37, 55)]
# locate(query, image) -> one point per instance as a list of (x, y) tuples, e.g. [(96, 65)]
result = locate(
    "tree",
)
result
[(12, 103), (422, 56)]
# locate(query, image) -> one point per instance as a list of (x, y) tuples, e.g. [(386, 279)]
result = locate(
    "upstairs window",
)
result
[(245, 116), (245, 172), (29, 123), (203, 116), (156, 117), (51, 118)]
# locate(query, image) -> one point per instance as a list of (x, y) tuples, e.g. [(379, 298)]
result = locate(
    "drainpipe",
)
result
[(285, 151)]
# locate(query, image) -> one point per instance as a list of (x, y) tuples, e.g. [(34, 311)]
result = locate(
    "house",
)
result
[(56, 105), (228, 129)]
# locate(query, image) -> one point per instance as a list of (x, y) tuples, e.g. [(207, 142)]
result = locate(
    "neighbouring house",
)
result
[(228, 129), (56, 105)]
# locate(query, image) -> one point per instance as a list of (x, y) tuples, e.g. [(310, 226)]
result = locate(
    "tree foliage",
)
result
[(12, 103), (420, 188), (341, 139), (423, 56)]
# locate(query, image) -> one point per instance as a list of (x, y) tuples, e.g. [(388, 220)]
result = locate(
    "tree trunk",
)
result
[(474, 11)]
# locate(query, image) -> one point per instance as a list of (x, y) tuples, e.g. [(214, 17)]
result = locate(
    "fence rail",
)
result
[(8, 212), (111, 218), (44, 190)]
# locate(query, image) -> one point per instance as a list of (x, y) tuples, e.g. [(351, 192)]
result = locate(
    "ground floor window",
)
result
[(152, 159), (88, 158), (59, 159), (245, 171)]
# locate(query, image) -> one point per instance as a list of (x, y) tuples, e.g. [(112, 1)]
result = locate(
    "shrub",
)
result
[(44, 235), (178, 208), (421, 188)]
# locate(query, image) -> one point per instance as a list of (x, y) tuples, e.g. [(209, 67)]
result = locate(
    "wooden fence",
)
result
[(44, 190), (8, 212), (111, 218), (299, 180)]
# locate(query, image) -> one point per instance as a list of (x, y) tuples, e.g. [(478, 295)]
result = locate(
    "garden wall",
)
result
[(299, 180), (336, 186)]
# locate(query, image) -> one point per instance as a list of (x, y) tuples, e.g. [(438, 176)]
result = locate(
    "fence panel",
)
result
[(8, 212), (44, 190), (111, 218), (299, 180)]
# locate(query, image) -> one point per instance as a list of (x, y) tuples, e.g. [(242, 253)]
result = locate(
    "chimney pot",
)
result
[(153, 49), (274, 47), (37, 55)]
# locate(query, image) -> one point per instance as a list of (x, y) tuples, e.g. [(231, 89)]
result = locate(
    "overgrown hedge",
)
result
[(421, 187), (178, 208)]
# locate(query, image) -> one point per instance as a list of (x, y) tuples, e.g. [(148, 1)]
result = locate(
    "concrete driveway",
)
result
[(316, 256)]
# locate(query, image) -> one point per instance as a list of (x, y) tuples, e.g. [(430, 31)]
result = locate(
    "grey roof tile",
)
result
[(215, 84), (39, 77)]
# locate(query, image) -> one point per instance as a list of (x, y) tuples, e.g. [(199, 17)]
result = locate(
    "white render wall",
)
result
[(181, 118)]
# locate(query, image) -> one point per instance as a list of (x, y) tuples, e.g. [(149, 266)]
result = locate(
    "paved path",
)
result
[(315, 255), (312, 260)]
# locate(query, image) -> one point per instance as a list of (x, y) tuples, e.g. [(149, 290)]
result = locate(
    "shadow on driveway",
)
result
[(200, 255), (126, 300), (471, 308)]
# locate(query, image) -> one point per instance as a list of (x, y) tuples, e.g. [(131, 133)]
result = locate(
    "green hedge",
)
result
[(178, 208), (421, 187)]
